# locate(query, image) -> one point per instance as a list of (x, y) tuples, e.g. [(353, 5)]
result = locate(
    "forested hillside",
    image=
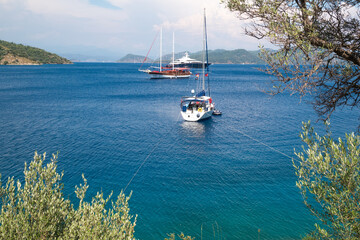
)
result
[(219, 56), (134, 58), (18, 54)]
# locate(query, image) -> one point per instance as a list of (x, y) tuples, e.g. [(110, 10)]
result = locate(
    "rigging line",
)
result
[(266, 145), (142, 164), (147, 157), (188, 82), (149, 50)]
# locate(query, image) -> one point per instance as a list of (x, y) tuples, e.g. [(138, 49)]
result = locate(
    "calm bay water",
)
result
[(203, 179)]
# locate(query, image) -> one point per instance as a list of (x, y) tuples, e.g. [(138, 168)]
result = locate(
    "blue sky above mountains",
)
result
[(114, 28)]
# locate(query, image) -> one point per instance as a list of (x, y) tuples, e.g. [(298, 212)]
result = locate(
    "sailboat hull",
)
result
[(195, 116), (165, 75), (195, 109)]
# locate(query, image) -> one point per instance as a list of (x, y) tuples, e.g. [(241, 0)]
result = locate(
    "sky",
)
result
[(114, 28)]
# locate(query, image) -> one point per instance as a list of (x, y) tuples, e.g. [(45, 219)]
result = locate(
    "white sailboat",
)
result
[(199, 106)]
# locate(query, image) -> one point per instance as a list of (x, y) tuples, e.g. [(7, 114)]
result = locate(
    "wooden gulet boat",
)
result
[(167, 73)]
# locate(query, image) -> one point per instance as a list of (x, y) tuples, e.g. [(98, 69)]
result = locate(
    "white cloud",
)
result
[(127, 27), (73, 8), (119, 3), (225, 30)]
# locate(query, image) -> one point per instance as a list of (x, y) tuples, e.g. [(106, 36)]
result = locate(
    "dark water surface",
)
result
[(204, 178)]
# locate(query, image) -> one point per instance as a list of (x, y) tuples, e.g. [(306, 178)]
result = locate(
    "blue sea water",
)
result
[(210, 179)]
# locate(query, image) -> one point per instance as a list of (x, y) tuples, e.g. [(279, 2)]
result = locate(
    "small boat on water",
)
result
[(187, 62), (200, 106), (217, 112), (167, 72)]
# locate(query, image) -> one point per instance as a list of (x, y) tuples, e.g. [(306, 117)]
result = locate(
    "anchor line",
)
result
[(147, 157), (234, 129), (262, 143)]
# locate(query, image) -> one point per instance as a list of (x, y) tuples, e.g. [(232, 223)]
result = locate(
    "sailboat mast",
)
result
[(173, 56), (160, 48), (203, 54), (207, 55)]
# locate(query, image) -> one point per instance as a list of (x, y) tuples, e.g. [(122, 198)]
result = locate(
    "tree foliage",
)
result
[(38, 210), (318, 43), (329, 180)]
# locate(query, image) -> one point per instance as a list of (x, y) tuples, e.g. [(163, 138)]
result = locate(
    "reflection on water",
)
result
[(197, 129)]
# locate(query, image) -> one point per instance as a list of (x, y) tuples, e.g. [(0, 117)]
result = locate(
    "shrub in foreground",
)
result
[(38, 210), (329, 180)]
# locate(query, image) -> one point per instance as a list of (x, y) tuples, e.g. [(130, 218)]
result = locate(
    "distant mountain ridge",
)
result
[(131, 58), (18, 54), (218, 56)]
